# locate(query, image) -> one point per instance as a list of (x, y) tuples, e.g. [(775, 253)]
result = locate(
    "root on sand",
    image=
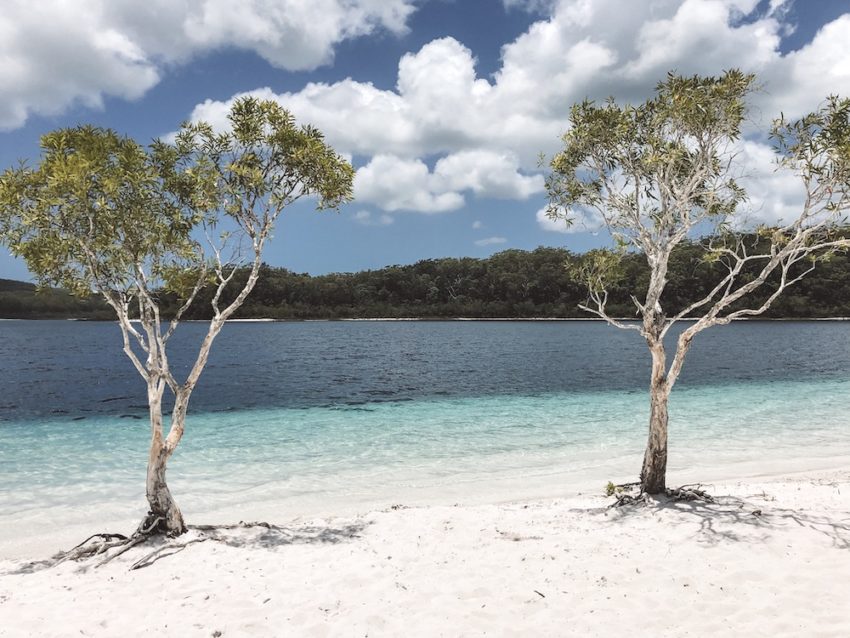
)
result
[(102, 544), (624, 495), (106, 547)]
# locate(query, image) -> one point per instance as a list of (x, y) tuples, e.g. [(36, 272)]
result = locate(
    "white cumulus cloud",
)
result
[(487, 174), (400, 184), (774, 194), (486, 133), (55, 53), (396, 183), (581, 221)]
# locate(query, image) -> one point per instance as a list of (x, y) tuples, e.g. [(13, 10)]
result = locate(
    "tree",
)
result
[(659, 172), (102, 213)]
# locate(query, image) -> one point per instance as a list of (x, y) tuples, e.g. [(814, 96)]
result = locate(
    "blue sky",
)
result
[(444, 105)]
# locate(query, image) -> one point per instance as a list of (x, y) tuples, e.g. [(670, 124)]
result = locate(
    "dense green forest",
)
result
[(20, 300), (512, 283)]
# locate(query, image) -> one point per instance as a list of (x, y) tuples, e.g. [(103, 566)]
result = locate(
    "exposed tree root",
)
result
[(613, 490), (164, 551), (94, 545), (684, 493), (130, 544), (108, 547), (689, 493), (623, 494), (624, 498), (101, 544)]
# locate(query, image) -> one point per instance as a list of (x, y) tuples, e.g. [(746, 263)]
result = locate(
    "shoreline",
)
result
[(50, 530), (769, 558)]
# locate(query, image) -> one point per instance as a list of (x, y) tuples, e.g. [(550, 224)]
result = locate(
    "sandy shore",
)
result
[(771, 558)]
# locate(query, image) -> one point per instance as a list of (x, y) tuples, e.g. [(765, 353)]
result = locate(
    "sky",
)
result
[(444, 106)]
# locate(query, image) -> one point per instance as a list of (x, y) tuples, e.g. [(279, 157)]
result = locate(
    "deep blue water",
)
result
[(55, 368)]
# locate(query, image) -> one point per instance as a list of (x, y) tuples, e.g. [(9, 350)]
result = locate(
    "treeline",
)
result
[(512, 283), (21, 300), (518, 284)]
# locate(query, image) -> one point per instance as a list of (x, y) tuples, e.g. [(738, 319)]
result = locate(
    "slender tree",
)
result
[(101, 213), (662, 171)]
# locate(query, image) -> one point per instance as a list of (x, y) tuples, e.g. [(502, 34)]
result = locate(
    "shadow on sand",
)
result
[(272, 536), (729, 518), (255, 535)]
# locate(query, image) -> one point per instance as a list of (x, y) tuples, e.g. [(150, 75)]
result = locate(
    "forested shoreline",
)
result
[(513, 284)]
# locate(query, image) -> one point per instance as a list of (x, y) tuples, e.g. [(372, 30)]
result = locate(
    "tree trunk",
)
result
[(164, 515), (653, 476)]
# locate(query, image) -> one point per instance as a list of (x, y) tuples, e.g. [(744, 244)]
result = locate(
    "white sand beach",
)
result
[(770, 558)]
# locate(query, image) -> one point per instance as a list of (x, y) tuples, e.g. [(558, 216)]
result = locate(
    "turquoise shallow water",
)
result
[(289, 462)]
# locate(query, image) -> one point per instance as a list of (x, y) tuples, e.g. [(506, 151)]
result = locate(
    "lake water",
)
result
[(293, 419)]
